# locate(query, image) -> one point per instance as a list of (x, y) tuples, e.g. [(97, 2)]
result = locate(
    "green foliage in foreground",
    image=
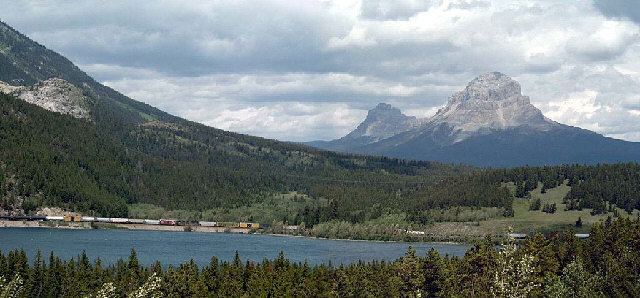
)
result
[(605, 265)]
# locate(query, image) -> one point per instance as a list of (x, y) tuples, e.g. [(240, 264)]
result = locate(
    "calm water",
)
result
[(178, 247)]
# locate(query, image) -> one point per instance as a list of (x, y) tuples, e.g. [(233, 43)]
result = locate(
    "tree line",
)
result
[(607, 264)]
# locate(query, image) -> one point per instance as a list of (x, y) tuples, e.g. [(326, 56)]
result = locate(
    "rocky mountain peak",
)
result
[(491, 86), (54, 94), (382, 122), (384, 110), (492, 101)]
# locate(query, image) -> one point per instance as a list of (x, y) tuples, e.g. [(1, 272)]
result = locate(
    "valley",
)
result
[(72, 143), (166, 149)]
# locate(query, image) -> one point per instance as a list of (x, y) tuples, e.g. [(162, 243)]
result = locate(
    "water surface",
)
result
[(178, 247)]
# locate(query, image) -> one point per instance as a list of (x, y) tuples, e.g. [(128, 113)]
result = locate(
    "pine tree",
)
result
[(432, 270), (409, 270)]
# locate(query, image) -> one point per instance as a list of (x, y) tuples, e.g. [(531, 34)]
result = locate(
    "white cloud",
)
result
[(577, 109), (293, 121), (291, 69)]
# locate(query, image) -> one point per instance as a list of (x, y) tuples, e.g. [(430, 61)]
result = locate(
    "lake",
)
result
[(178, 247)]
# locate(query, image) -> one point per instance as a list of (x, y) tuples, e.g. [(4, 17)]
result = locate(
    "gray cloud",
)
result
[(303, 70), (619, 8)]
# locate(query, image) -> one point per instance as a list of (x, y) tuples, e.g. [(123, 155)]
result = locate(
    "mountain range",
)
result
[(71, 142), (489, 123)]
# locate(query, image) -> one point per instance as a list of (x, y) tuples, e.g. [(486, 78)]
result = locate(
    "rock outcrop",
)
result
[(56, 95)]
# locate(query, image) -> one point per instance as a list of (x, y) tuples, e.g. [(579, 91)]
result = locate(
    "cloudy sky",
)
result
[(306, 70)]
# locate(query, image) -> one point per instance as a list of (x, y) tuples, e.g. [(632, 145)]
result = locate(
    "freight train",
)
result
[(120, 220)]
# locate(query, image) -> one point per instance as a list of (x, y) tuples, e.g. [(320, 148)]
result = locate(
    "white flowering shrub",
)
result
[(11, 289), (108, 290), (514, 275), (151, 288)]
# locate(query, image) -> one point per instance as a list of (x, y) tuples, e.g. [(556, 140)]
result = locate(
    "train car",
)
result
[(23, 218), (151, 222), (209, 223), (249, 225), (168, 222), (136, 221), (118, 220), (88, 218), (54, 217), (102, 219), (188, 223)]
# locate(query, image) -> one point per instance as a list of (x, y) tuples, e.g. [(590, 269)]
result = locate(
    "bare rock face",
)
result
[(382, 122), (56, 95), (7, 89), (492, 101)]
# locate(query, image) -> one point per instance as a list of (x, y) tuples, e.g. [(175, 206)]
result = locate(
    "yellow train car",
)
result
[(72, 217), (249, 225)]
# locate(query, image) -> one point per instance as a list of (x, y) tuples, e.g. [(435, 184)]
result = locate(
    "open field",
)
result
[(526, 221)]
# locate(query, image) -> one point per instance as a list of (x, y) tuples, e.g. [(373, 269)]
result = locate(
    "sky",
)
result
[(308, 70)]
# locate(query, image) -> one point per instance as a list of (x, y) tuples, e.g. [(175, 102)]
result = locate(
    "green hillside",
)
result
[(132, 158)]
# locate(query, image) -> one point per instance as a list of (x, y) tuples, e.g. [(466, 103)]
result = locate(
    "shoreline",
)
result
[(196, 229), (365, 240)]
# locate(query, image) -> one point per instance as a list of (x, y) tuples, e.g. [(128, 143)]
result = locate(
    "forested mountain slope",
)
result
[(128, 152)]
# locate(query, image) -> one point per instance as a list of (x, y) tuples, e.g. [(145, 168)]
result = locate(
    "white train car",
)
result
[(118, 220), (136, 221), (54, 217), (151, 221), (209, 223), (88, 218), (102, 219)]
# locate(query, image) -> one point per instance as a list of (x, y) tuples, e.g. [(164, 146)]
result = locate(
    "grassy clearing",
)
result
[(527, 221)]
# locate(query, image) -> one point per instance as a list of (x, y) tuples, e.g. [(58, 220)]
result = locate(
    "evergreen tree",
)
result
[(409, 271)]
